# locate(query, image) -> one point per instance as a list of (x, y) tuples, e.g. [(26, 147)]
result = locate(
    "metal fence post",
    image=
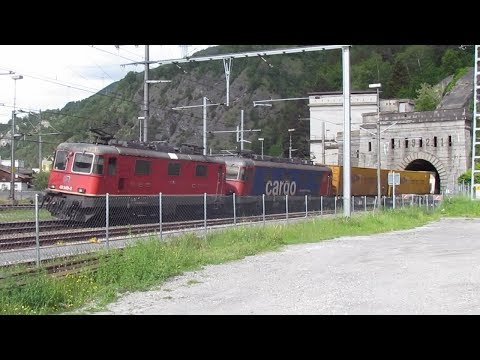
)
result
[(321, 205), (352, 201), (384, 201), (263, 208), (37, 231), (160, 210), (426, 198), (335, 204), (107, 218), (234, 211), (306, 206), (286, 207), (365, 199), (205, 212), (403, 202)]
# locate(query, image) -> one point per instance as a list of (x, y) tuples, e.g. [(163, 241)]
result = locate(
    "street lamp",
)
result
[(379, 195), (261, 139), (12, 144), (290, 147)]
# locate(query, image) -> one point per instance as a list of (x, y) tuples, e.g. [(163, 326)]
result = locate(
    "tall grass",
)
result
[(150, 262), (460, 206)]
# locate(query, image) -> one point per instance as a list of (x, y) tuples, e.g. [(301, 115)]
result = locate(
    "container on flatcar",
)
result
[(364, 181)]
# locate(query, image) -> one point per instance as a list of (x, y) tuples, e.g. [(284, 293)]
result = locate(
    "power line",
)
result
[(108, 52), (131, 52)]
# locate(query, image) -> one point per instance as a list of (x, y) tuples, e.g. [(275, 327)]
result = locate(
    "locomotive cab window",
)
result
[(82, 163), (98, 165), (232, 172), (242, 175), (201, 170), (60, 160), (142, 167)]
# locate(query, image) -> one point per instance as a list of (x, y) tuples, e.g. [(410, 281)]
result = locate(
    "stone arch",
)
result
[(433, 160)]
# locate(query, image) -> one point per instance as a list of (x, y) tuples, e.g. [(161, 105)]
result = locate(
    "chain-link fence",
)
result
[(66, 226)]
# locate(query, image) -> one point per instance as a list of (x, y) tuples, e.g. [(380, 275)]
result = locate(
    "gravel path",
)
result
[(434, 269)]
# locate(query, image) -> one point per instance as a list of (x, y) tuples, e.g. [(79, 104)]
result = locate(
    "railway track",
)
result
[(4, 207), (6, 229), (58, 233)]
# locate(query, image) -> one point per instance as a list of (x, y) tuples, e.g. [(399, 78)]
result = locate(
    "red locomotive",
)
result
[(83, 174)]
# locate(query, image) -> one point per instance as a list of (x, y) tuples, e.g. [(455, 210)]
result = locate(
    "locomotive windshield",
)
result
[(232, 172), (60, 160), (83, 163)]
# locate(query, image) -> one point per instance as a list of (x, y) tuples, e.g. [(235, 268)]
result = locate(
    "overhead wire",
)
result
[(108, 52)]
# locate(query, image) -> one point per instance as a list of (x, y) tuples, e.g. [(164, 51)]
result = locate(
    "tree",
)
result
[(466, 177), (40, 181), (427, 98)]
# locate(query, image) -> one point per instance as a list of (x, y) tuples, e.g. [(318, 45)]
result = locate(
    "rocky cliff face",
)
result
[(461, 93)]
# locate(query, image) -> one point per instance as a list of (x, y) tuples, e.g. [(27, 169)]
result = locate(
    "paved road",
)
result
[(434, 269)]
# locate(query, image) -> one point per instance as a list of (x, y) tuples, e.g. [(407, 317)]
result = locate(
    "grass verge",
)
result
[(148, 263)]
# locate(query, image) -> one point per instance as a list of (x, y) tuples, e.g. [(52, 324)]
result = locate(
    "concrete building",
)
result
[(438, 141)]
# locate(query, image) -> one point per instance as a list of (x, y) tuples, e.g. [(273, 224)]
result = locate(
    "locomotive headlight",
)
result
[(52, 186), (81, 190)]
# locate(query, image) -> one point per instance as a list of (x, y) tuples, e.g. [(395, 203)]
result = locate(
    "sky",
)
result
[(54, 75)]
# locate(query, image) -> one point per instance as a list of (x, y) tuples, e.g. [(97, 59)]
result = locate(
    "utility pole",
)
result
[(347, 128), (39, 142), (379, 189), (323, 142), (227, 65), (204, 125), (12, 144), (241, 130), (145, 95), (290, 147)]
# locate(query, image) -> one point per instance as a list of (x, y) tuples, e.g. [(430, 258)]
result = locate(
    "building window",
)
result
[(393, 143)]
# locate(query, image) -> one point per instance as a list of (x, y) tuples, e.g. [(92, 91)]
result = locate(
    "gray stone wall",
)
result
[(441, 137)]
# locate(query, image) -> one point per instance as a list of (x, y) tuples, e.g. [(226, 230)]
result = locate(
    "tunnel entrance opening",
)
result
[(423, 165)]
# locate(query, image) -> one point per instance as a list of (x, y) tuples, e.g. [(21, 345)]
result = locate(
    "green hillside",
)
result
[(401, 69)]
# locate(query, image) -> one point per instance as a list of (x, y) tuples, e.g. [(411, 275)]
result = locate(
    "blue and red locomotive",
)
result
[(281, 180), (256, 175)]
